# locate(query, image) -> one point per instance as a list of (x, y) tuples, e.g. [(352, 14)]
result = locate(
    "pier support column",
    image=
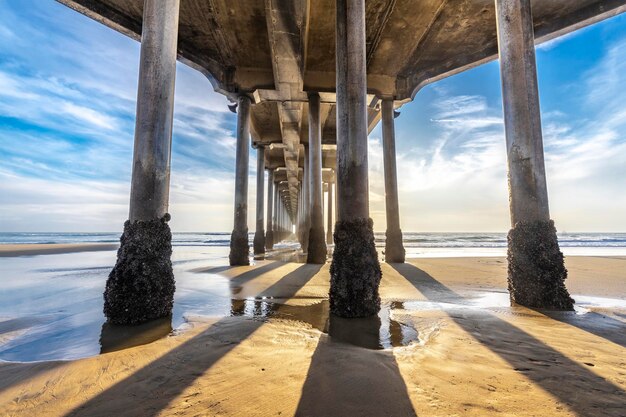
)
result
[(239, 247), (394, 249), (300, 216), (141, 285), (329, 226), (355, 271), (275, 230), (259, 233), (269, 234), (536, 272), (306, 202), (283, 211), (316, 253)]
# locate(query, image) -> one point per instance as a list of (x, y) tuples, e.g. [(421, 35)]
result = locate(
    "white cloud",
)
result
[(74, 83), (89, 115), (458, 180), (458, 183)]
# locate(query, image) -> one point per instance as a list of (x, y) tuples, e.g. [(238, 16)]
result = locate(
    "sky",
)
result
[(68, 90)]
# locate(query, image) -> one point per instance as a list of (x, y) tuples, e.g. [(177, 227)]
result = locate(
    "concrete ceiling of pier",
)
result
[(278, 50), (280, 47)]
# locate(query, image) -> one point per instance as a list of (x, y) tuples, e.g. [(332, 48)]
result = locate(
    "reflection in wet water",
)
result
[(117, 337), (377, 332), (285, 255), (51, 306), (49, 311)]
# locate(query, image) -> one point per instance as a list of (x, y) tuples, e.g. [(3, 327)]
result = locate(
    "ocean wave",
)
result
[(411, 239)]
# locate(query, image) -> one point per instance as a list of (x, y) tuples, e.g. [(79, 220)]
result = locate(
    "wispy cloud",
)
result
[(67, 101), (67, 97), (456, 180)]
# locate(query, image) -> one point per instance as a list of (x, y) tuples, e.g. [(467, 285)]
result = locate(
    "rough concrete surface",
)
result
[(141, 285), (317, 247), (355, 271), (394, 250), (536, 269), (239, 248)]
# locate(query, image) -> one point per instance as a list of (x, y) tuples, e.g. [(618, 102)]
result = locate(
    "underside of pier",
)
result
[(309, 80)]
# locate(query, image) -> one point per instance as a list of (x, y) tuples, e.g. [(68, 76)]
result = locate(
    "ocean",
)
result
[(416, 244), (51, 305)]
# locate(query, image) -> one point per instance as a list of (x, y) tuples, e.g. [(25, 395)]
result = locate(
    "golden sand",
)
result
[(475, 355), (53, 248)]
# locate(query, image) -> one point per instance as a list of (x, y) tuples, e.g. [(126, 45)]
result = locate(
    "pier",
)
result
[(309, 81)]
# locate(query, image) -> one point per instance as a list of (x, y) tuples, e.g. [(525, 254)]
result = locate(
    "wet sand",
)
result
[(278, 353), (53, 248)]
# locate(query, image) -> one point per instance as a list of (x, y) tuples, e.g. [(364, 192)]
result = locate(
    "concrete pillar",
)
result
[(259, 234), (141, 285), (282, 220), (283, 215), (269, 234), (316, 253), (394, 249), (329, 227), (239, 247), (336, 198), (300, 217), (354, 284), (275, 233), (536, 270), (306, 202)]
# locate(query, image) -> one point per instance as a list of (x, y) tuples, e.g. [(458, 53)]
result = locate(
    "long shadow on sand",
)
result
[(244, 277), (248, 276), (584, 392), (594, 323), (14, 373), (341, 382), (150, 389)]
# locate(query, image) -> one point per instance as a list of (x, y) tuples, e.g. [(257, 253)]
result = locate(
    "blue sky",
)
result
[(67, 103)]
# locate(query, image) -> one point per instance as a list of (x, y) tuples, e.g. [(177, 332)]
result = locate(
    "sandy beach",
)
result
[(9, 251), (460, 350), (445, 344)]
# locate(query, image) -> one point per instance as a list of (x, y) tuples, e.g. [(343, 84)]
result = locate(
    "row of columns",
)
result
[(141, 285), (354, 288)]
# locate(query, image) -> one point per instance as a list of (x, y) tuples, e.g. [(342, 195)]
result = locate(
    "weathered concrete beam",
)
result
[(285, 22), (141, 285), (536, 269)]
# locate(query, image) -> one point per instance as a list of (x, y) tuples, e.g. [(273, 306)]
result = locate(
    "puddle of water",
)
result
[(116, 337), (49, 311), (587, 301), (283, 255), (377, 332), (501, 300)]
